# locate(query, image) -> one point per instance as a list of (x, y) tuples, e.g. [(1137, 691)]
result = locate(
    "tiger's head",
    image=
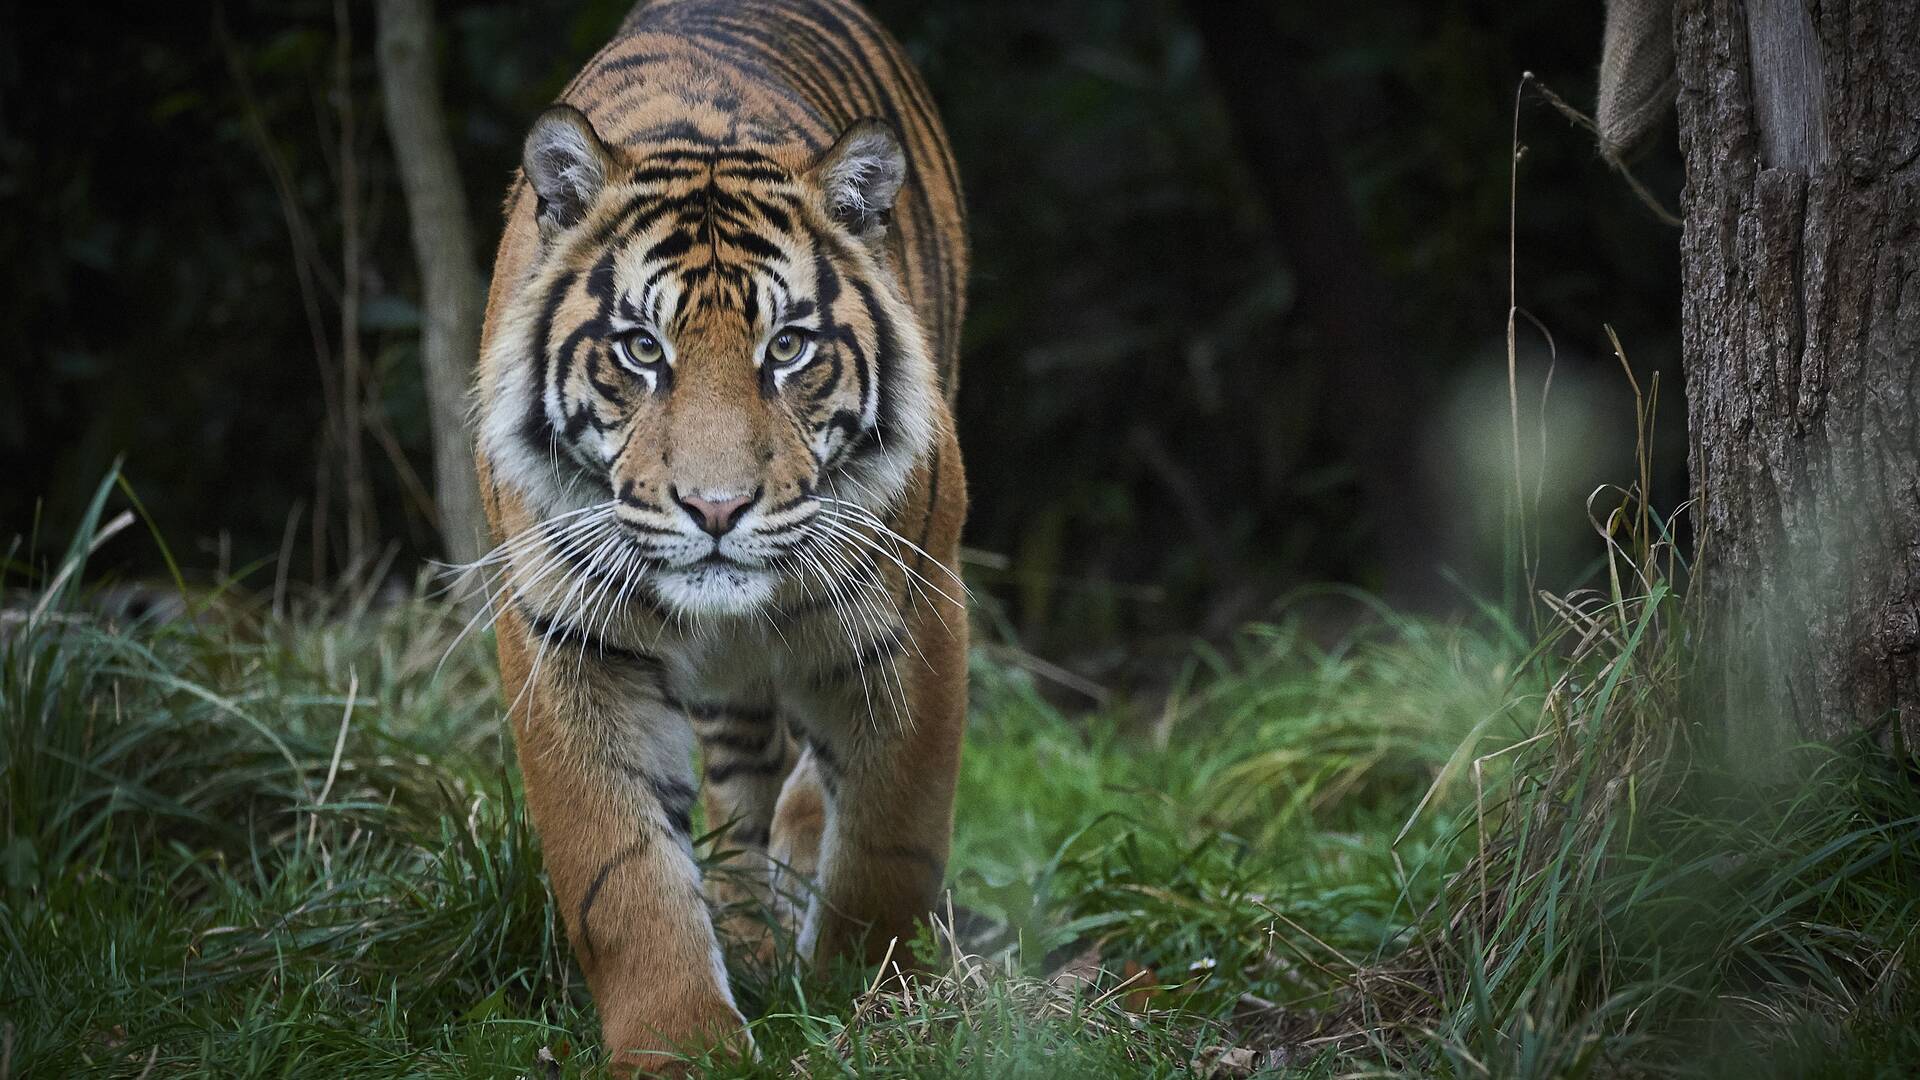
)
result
[(711, 344)]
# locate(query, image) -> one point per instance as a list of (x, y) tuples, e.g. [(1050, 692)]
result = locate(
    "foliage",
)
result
[(252, 840)]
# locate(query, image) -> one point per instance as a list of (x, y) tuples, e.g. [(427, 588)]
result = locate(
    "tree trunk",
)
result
[(1800, 125), (1369, 373), (452, 293)]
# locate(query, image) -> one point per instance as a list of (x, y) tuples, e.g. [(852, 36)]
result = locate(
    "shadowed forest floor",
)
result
[(241, 842)]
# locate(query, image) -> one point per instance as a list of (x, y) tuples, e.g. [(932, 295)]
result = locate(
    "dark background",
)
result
[(1183, 394)]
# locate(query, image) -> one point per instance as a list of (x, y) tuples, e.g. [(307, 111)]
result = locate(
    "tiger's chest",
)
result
[(802, 668)]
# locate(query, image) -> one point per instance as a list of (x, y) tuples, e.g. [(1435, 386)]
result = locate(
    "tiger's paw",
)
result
[(672, 1044)]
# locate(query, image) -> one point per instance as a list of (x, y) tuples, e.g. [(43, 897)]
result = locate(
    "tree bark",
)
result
[(1370, 375), (1800, 125), (452, 292)]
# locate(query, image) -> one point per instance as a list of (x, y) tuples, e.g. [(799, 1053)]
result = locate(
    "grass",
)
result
[(248, 842)]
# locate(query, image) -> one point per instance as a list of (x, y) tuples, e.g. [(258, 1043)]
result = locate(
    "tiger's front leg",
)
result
[(885, 783), (746, 753), (610, 784)]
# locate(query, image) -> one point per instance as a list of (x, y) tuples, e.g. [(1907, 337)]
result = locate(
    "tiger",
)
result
[(715, 439)]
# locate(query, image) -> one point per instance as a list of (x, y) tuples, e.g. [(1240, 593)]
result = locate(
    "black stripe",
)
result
[(636, 60), (606, 870), (720, 774), (547, 629), (805, 492), (886, 347), (911, 853), (653, 174), (647, 598), (822, 753), (600, 280), (674, 796), (750, 743), (672, 245), (888, 644), (891, 643), (721, 710), (537, 429), (636, 217), (812, 604)]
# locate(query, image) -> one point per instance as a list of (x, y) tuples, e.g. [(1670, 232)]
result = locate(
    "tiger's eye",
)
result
[(787, 345), (643, 348)]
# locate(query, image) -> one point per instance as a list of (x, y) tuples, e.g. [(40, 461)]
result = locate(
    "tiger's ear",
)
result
[(567, 165), (861, 174)]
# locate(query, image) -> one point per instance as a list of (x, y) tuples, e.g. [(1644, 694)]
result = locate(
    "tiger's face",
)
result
[(712, 348)]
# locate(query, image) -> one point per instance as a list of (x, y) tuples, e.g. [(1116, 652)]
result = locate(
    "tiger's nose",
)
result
[(715, 513)]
